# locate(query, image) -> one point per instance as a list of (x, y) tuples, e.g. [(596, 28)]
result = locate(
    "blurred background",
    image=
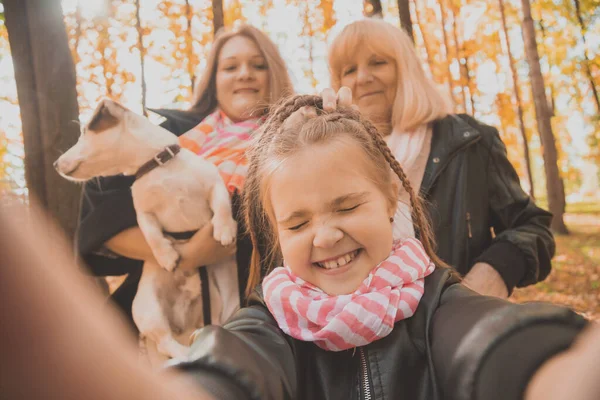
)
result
[(148, 53)]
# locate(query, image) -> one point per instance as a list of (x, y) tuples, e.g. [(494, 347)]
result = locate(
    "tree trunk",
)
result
[(586, 64), (447, 50), (551, 101), (46, 87), (464, 73), (515, 79), (104, 43), (372, 9), (554, 183), (218, 15), (142, 50), (425, 41), (405, 20), (78, 33), (189, 43)]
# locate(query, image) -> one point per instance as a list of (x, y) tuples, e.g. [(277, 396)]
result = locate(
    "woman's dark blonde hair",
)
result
[(280, 85), (278, 140)]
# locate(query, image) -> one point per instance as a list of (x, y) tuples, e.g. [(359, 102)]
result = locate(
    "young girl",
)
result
[(346, 312)]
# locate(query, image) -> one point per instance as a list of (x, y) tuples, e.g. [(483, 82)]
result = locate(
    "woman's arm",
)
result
[(202, 249), (488, 348), (524, 245)]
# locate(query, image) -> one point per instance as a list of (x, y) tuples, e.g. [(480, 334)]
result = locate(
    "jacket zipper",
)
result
[(366, 386), (469, 225)]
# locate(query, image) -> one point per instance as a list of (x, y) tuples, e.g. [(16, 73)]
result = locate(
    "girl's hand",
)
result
[(202, 249), (572, 374)]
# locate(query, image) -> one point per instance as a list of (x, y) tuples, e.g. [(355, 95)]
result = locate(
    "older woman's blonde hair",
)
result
[(204, 99), (417, 101)]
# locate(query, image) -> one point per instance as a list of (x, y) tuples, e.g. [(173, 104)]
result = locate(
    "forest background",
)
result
[(482, 53)]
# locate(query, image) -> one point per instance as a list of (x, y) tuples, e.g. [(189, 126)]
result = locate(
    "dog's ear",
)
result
[(107, 114)]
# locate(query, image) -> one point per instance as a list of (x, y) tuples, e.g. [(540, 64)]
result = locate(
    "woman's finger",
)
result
[(329, 99), (299, 116), (344, 97)]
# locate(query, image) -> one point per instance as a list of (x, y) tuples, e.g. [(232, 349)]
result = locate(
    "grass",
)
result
[(575, 277)]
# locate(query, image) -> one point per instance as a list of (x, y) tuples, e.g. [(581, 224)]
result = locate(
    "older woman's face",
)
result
[(373, 80), (242, 78)]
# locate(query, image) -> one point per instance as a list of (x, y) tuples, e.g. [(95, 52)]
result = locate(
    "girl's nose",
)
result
[(327, 236)]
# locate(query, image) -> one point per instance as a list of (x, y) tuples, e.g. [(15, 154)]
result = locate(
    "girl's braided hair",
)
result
[(278, 139)]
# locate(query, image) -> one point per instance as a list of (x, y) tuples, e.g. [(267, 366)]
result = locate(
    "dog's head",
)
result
[(115, 141)]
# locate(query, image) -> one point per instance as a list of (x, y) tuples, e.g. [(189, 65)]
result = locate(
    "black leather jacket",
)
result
[(458, 345), (471, 187)]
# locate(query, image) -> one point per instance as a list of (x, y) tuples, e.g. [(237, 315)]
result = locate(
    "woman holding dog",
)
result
[(245, 74), (456, 163)]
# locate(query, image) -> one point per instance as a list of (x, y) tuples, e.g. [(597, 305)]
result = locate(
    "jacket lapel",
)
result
[(450, 135)]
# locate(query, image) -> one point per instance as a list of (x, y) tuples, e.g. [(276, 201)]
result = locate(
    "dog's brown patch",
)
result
[(102, 120)]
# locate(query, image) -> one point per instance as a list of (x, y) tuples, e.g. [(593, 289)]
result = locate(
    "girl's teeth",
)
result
[(340, 262)]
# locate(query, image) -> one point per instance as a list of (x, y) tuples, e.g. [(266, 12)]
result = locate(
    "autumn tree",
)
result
[(587, 64), (142, 50), (554, 183), (218, 15), (517, 98), (46, 87), (405, 19)]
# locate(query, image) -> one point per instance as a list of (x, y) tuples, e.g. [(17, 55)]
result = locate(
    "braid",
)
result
[(419, 218), (255, 214)]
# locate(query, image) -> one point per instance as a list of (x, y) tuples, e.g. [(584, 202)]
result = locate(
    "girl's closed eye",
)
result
[(298, 226), (348, 209)]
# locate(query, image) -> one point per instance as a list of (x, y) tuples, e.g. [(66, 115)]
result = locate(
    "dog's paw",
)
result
[(168, 258), (225, 231)]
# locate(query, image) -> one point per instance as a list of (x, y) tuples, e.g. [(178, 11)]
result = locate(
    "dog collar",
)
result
[(161, 158)]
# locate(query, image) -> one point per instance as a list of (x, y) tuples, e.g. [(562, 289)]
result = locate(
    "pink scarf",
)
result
[(224, 143), (390, 293)]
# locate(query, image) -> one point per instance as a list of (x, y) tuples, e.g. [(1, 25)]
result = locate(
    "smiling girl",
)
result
[(346, 311)]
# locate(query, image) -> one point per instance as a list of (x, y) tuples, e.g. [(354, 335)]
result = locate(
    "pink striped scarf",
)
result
[(390, 293), (224, 143)]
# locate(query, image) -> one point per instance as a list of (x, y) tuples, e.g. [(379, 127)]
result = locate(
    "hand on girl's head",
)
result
[(331, 101), (343, 98)]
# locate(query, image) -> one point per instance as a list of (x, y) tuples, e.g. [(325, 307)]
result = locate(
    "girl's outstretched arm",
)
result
[(487, 348), (59, 339), (249, 358)]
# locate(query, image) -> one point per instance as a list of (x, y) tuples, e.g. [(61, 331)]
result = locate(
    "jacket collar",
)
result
[(181, 116), (450, 135)]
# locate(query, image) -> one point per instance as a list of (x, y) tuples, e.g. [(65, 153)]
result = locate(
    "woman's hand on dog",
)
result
[(202, 249)]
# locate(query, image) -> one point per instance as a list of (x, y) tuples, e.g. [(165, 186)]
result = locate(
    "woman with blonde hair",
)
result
[(244, 75), (485, 225)]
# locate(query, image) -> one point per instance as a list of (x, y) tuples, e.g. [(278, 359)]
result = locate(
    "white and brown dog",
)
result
[(174, 191)]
